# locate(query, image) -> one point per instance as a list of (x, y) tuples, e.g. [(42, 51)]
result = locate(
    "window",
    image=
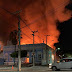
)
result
[(65, 60), (39, 56), (70, 59)]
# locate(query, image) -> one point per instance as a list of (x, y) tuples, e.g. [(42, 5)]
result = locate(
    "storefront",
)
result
[(40, 53)]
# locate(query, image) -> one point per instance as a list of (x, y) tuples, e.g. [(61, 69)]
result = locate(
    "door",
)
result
[(65, 64), (62, 64), (39, 56)]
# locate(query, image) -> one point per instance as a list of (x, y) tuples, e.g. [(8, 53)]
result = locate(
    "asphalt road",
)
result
[(31, 69)]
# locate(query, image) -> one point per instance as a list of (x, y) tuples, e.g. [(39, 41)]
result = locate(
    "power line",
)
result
[(26, 24), (42, 17), (33, 21), (45, 15), (21, 31), (14, 15), (40, 38), (15, 27), (6, 10), (36, 19), (20, 18), (27, 36)]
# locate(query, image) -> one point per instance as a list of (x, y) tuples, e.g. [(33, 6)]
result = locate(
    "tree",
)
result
[(13, 38), (15, 54)]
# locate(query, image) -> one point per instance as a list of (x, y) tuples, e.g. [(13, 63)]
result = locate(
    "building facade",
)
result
[(40, 53)]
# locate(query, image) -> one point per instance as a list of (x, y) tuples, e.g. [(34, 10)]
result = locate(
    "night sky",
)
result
[(49, 17), (65, 38)]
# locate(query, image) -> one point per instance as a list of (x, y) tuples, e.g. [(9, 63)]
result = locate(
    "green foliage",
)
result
[(15, 54), (13, 37), (68, 54)]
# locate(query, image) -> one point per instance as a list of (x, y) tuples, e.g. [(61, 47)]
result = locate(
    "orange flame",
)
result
[(40, 15), (27, 60)]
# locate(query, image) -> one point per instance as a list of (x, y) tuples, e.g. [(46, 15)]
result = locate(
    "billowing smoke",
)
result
[(41, 15)]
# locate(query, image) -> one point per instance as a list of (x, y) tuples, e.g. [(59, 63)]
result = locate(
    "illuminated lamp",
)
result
[(58, 48)]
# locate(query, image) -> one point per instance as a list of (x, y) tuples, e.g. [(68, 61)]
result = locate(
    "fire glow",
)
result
[(41, 15)]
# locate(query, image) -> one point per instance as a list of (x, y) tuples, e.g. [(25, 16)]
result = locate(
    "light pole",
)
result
[(55, 54), (49, 54), (19, 51), (19, 36), (46, 51)]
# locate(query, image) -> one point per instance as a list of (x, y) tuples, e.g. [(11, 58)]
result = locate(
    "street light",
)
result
[(55, 54), (46, 50), (58, 48)]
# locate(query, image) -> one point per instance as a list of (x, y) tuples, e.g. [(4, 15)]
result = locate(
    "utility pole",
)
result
[(46, 50), (19, 50), (33, 48), (19, 36), (55, 54)]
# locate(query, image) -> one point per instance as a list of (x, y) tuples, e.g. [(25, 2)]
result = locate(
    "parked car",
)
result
[(65, 63)]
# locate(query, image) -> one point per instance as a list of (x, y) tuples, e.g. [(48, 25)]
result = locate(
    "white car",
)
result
[(65, 63)]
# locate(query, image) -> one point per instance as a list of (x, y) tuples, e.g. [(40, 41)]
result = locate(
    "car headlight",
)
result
[(50, 64)]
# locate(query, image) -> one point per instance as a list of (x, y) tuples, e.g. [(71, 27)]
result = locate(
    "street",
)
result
[(31, 69)]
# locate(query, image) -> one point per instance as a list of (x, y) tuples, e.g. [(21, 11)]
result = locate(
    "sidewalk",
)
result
[(26, 69)]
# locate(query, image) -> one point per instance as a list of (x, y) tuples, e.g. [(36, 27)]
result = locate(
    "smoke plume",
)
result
[(41, 15)]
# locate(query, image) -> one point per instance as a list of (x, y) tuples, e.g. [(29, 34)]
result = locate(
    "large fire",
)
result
[(41, 15), (1, 46)]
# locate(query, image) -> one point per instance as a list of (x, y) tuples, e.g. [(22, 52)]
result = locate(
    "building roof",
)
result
[(27, 47)]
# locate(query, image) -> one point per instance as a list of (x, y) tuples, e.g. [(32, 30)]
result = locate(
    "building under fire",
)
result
[(40, 53)]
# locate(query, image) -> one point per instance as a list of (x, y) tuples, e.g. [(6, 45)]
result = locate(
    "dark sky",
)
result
[(65, 38)]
